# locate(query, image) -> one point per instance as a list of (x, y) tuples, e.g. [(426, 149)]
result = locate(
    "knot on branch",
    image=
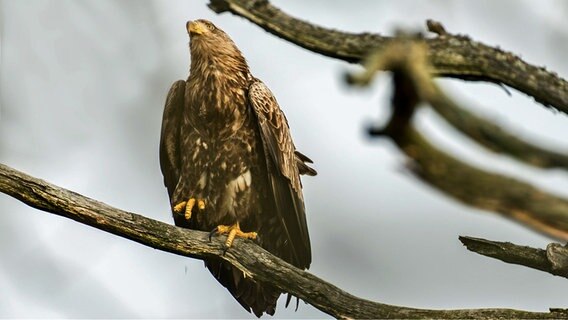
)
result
[(557, 255)]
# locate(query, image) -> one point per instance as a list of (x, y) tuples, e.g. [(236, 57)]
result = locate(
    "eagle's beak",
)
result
[(194, 27)]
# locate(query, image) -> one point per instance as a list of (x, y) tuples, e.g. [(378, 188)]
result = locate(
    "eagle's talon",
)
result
[(213, 232), (189, 207), (179, 207), (232, 232), (186, 207)]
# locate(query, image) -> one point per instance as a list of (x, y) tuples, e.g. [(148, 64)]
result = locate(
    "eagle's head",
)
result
[(211, 46), (203, 29)]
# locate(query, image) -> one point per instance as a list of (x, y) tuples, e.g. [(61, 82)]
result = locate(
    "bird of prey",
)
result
[(229, 163)]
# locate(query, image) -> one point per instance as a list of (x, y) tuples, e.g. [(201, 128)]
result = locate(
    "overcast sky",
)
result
[(82, 87)]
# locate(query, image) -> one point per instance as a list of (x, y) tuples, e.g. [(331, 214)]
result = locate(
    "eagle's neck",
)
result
[(220, 82), (210, 60)]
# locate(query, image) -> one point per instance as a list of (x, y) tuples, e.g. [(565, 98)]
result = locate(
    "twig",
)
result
[(450, 55), (247, 256), (553, 260)]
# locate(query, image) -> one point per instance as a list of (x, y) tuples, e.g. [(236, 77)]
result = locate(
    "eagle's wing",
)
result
[(169, 153), (283, 171)]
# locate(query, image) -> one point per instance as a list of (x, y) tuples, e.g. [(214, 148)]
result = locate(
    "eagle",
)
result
[(230, 165)]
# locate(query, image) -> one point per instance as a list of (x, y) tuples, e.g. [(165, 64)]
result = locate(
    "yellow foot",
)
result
[(187, 206), (232, 232)]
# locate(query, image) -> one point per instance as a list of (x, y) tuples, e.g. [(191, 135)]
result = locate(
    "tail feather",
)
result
[(302, 163), (254, 297)]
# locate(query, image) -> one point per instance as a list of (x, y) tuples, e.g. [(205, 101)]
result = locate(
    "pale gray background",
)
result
[(82, 91)]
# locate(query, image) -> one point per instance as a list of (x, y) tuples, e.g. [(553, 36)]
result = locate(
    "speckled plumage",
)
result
[(225, 140)]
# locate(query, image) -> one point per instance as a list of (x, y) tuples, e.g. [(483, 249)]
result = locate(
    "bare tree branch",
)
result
[(512, 198), (553, 260), (450, 55), (245, 255)]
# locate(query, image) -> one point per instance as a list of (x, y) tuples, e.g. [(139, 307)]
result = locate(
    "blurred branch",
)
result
[(553, 260), (245, 255), (450, 55), (514, 199), (496, 139), (482, 131)]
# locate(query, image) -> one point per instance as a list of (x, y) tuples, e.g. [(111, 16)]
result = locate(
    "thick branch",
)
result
[(250, 258), (510, 197), (450, 55), (553, 260)]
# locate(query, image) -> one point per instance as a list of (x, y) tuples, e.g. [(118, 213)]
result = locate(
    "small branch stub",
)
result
[(436, 27), (557, 255), (553, 260)]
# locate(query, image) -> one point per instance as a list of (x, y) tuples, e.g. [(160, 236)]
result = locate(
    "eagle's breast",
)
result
[(218, 101), (218, 110)]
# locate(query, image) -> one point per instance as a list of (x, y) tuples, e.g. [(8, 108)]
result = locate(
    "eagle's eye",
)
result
[(209, 25)]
